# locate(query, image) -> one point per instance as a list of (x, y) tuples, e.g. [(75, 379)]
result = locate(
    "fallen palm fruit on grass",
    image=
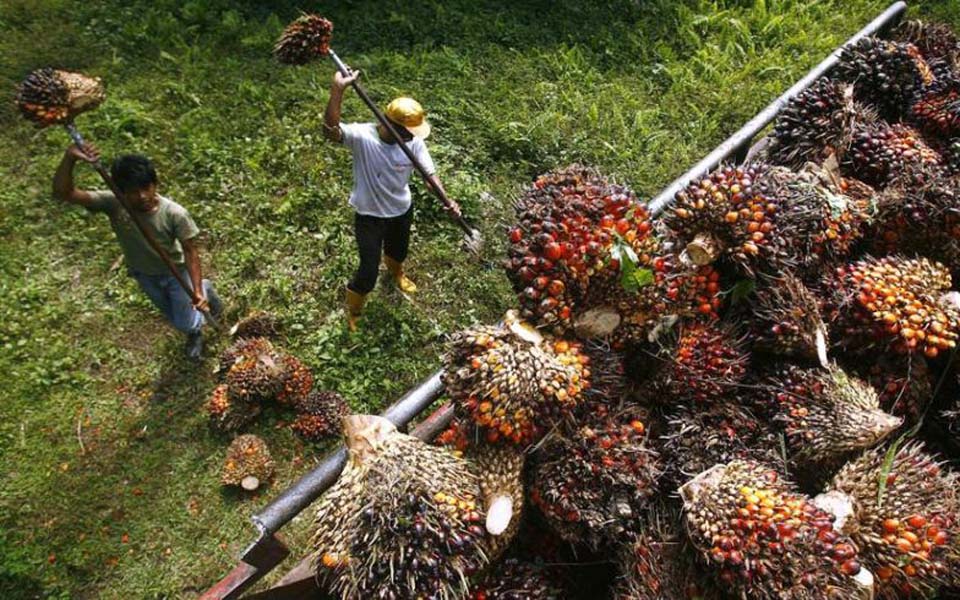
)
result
[(319, 415), (228, 413), (248, 463)]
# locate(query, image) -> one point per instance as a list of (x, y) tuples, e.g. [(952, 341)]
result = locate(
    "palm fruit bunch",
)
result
[(248, 463), (593, 483), (761, 539), (576, 232), (512, 382), (243, 348), (51, 97), (893, 303), (257, 378), (817, 122), (933, 40), (920, 213), (817, 221), (695, 438), (709, 361), (319, 415), (515, 579), (401, 521), (296, 381), (725, 214), (786, 320), (938, 112), (228, 413), (904, 384), (258, 324), (903, 512), (304, 40), (881, 151), (686, 291), (499, 470), (885, 74), (825, 415)]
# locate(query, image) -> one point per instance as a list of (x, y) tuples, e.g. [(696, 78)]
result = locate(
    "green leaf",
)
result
[(632, 278), (741, 290)]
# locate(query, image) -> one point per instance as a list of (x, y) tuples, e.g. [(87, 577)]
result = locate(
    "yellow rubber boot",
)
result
[(396, 269), (354, 308)]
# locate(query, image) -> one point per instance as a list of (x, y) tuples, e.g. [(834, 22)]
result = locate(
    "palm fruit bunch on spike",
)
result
[(248, 463), (881, 151), (304, 40), (576, 232), (903, 512), (513, 383), (51, 97), (241, 349), (258, 324), (786, 320), (725, 214), (818, 122), (904, 384), (763, 540), (885, 74), (696, 438), (228, 413), (825, 414), (708, 362), (919, 212), (297, 381), (499, 470), (818, 222), (515, 579), (933, 40), (402, 521), (593, 484), (319, 415), (893, 303)]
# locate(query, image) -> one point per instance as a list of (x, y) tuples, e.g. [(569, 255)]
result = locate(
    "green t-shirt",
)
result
[(169, 223)]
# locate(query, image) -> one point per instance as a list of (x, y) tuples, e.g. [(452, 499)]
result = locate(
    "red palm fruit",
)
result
[(709, 362)]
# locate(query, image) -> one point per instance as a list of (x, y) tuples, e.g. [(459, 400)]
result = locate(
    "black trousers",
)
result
[(376, 234)]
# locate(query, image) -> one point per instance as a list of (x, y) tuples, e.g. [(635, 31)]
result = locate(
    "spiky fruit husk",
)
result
[(825, 414), (241, 349), (513, 386), (904, 384), (577, 232), (608, 380), (933, 40), (304, 40), (819, 121), (258, 324), (905, 519), (402, 520), (513, 579), (320, 414), (880, 152), (50, 97), (885, 74), (725, 214), (919, 213), (593, 483), (786, 320), (228, 413), (297, 381), (696, 438), (247, 456), (818, 223), (761, 539), (708, 362), (892, 303)]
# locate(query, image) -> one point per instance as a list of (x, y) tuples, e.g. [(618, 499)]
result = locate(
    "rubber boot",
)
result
[(396, 269), (354, 308)]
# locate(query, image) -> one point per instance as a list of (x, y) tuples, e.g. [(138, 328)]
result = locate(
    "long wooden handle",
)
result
[(345, 71), (146, 233)]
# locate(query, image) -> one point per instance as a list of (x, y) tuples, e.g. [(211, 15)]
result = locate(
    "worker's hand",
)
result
[(90, 153), (341, 81), (453, 209), (200, 303)]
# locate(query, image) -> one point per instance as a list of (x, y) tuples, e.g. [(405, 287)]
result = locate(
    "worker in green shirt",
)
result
[(171, 226)]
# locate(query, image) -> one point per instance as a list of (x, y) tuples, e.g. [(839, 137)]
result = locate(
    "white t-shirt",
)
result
[(381, 171)]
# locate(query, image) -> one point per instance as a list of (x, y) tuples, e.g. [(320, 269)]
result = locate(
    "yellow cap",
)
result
[(409, 113)]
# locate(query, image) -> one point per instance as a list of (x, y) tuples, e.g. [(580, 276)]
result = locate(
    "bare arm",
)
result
[(63, 186), (191, 257), (331, 116)]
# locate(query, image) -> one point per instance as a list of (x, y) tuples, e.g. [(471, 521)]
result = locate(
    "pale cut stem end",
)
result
[(499, 514), (250, 483), (703, 250)]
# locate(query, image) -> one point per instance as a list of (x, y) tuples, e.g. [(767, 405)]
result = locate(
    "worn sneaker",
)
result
[(194, 348)]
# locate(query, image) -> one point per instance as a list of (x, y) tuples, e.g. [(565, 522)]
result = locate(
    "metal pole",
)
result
[(739, 142)]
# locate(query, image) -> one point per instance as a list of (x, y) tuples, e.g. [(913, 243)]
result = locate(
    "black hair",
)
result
[(133, 172)]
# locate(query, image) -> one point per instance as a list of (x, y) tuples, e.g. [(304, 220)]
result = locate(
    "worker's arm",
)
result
[(191, 257), (331, 116), (63, 187)]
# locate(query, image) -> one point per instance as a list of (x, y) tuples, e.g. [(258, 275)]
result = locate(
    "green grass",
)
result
[(639, 89)]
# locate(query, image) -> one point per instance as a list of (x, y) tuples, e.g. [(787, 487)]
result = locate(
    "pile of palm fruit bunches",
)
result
[(750, 396)]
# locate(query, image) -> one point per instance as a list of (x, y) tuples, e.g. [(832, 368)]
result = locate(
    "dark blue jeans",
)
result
[(175, 304)]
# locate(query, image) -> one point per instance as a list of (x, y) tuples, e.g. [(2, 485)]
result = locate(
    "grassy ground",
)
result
[(109, 472)]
